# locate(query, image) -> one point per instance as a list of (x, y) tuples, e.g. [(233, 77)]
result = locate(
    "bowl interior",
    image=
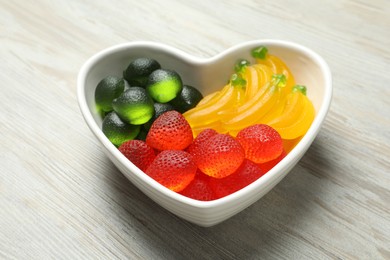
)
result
[(207, 75)]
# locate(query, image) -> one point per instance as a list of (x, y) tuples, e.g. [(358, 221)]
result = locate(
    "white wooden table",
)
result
[(61, 197)]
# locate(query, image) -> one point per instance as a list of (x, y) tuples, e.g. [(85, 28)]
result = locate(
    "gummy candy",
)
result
[(170, 131), (205, 135), (261, 143), (173, 169), (199, 188), (247, 173), (138, 152), (220, 156)]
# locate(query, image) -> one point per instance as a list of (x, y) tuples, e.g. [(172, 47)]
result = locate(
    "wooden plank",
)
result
[(61, 197)]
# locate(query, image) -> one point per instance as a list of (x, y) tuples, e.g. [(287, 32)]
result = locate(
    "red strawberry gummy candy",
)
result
[(245, 175), (265, 167), (220, 156), (170, 131), (138, 152), (174, 169), (203, 136), (261, 143), (199, 188)]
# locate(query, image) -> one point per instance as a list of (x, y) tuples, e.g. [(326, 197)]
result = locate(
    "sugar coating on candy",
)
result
[(174, 169), (202, 137), (138, 152), (170, 131), (261, 143), (247, 173), (199, 188), (220, 156)]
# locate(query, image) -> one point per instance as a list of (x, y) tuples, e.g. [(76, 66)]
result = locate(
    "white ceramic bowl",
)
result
[(207, 75)]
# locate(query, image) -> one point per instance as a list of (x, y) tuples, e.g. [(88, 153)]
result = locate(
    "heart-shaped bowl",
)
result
[(207, 74)]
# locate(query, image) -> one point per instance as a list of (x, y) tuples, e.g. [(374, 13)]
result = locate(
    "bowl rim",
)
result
[(297, 152)]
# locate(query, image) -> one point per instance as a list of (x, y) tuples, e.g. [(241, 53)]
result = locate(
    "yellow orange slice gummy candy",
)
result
[(265, 94)]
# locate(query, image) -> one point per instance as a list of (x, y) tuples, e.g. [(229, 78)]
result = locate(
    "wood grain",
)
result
[(61, 198)]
